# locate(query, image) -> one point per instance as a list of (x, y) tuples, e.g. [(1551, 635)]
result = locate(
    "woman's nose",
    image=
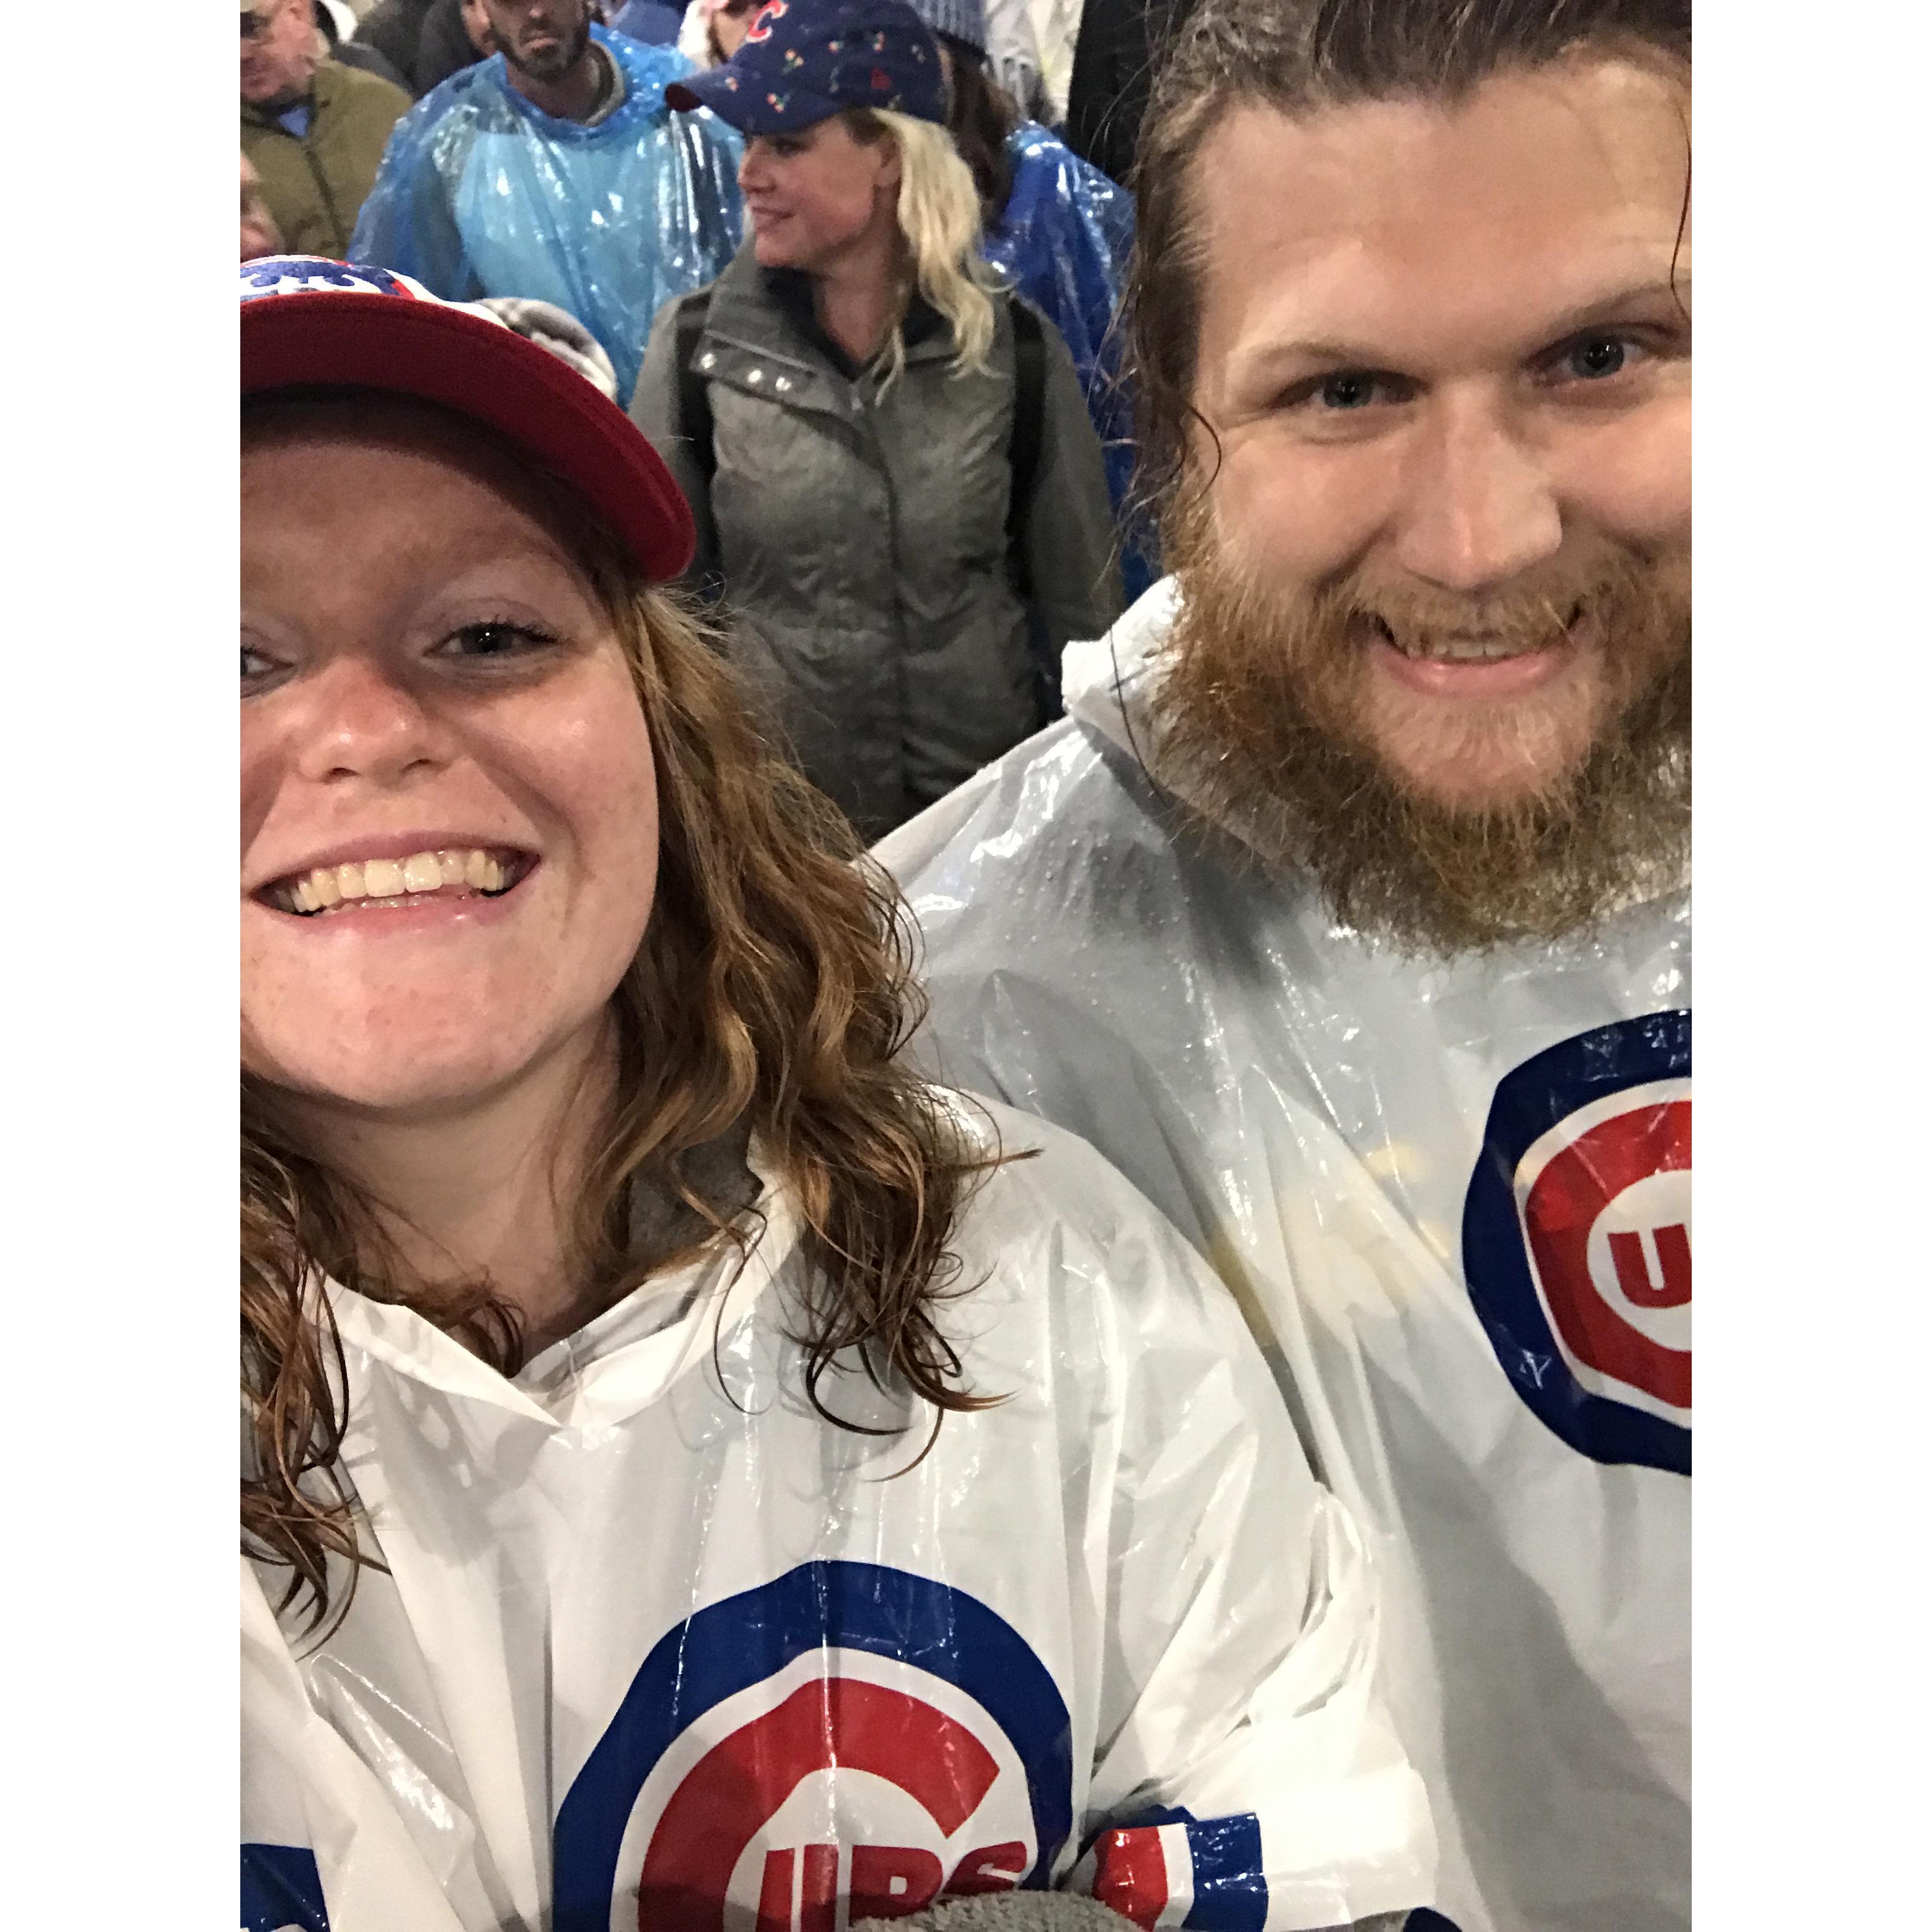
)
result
[(360, 721)]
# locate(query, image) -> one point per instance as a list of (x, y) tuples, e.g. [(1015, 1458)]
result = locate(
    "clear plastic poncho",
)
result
[(1453, 1196), (657, 1644), (480, 193), (1062, 241)]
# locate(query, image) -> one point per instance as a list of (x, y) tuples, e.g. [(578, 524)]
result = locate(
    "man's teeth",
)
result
[(1474, 647), (330, 886), (1465, 650)]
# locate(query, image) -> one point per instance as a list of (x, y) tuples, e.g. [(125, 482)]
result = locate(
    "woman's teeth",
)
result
[(327, 887)]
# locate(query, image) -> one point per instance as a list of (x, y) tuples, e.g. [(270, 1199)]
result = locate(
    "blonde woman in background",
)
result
[(714, 30), (897, 488)]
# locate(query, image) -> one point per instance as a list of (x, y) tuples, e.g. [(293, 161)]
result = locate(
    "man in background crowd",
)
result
[(260, 234), (1012, 55), (337, 27), (1120, 45), (314, 130), (1056, 24), (556, 171), (426, 40), (1349, 912)]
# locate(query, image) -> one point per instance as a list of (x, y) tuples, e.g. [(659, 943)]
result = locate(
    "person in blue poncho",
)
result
[(554, 170), (1061, 232)]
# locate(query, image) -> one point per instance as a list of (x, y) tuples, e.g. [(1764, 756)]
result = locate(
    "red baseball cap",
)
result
[(308, 320)]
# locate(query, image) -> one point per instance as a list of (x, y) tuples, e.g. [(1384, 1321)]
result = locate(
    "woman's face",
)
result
[(813, 193), (449, 822), (730, 23)]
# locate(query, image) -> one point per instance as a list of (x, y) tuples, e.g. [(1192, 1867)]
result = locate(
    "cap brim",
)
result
[(486, 371), (743, 107)]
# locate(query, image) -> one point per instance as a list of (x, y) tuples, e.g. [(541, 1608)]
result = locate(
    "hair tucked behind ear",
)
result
[(939, 216), (772, 993)]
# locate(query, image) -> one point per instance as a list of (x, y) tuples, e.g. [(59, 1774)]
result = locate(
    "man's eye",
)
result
[(1344, 392), (1350, 390), (1599, 357), (1596, 356)]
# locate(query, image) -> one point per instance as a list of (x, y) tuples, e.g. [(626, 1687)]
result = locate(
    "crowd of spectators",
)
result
[(524, 153), (717, 841)]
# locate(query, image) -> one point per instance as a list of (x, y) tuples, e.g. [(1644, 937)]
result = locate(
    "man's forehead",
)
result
[(1541, 190)]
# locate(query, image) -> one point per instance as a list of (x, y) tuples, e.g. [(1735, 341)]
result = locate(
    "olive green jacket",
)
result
[(315, 186)]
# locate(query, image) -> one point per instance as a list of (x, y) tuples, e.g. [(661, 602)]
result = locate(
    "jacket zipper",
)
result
[(321, 185)]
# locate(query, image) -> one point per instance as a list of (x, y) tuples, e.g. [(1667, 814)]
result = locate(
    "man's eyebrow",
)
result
[(1335, 353), (1607, 308)]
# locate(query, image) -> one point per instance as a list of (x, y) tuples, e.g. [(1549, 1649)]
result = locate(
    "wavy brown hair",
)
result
[(1299, 57), (772, 995), (981, 116)]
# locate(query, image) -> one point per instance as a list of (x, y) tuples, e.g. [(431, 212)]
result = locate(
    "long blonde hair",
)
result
[(939, 216), (772, 994)]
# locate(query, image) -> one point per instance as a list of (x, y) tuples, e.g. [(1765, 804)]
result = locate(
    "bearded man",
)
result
[(1348, 912), (554, 171), (312, 130)]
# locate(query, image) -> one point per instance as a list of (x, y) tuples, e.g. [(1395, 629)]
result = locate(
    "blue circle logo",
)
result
[(1576, 1239), (846, 1732)]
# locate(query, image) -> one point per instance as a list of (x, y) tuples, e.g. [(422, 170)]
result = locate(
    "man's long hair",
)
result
[(771, 996), (1299, 56)]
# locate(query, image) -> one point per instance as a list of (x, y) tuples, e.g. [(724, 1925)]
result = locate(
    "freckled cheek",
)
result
[(261, 765), (612, 808)]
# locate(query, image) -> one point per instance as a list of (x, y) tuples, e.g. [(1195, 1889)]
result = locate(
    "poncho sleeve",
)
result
[(1247, 1770), (322, 1847)]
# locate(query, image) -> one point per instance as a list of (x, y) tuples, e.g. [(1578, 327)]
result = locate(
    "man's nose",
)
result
[(1478, 507)]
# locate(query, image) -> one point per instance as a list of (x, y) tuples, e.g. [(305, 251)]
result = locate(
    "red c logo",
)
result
[(760, 29), (1562, 1210), (743, 1780)]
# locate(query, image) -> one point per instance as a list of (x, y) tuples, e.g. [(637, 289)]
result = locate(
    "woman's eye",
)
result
[(495, 639), (256, 665)]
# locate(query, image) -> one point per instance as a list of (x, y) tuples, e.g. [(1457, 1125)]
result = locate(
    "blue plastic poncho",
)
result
[(1062, 242), (480, 193)]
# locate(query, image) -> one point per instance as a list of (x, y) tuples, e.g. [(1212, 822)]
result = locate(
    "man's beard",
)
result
[(553, 66), (1259, 729)]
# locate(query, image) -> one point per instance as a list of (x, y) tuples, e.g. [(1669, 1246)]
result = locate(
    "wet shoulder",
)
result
[(1057, 1235)]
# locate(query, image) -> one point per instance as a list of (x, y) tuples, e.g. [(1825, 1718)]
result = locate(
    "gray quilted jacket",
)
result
[(862, 539)]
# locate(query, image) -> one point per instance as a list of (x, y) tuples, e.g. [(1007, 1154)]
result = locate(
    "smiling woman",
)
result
[(607, 1276), (442, 758)]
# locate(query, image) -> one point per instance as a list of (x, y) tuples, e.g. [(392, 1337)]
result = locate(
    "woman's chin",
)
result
[(428, 1079), (772, 247)]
